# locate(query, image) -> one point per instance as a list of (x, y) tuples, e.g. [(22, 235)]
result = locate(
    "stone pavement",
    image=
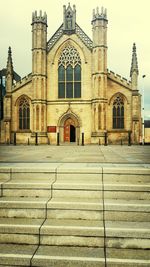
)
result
[(74, 153)]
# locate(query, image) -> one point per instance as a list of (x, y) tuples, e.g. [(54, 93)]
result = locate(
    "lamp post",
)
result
[(143, 130)]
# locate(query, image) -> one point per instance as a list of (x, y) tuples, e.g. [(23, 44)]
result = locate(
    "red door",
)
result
[(67, 124), (67, 133)]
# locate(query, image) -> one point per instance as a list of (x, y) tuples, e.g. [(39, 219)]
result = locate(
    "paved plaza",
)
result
[(74, 153)]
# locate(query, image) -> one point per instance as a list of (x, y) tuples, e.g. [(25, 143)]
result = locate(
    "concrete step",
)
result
[(75, 208), (127, 210), (126, 178), (78, 176), (20, 231), (55, 256), (87, 190), (23, 207), (125, 169), (28, 189), (94, 190), (81, 233), (127, 257), (5, 174), (92, 209), (135, 235), (89, 257), (52, 232), (30, 172), (75, 232), (74, 193), (16, 255), (68, 256)]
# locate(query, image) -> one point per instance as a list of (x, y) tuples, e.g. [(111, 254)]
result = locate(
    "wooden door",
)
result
[(67, 124), (67, 133)]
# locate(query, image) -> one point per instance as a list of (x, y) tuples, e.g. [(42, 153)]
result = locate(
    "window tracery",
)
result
[(69, 73), (118, 113), (24, 114)]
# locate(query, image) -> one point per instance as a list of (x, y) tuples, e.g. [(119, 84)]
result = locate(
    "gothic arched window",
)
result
[(69, 73), (24, 114), (118, 113)]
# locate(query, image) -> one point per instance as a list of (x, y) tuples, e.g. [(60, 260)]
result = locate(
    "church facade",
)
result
[(70, 90)]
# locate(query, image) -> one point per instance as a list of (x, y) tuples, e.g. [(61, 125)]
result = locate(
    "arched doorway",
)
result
[(69, 131)]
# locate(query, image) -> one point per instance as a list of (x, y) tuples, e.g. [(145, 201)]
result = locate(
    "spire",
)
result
[(134, 64), (9, 72), (9, 62)]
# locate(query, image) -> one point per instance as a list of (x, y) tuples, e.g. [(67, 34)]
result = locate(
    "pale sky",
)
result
[(128, 22)]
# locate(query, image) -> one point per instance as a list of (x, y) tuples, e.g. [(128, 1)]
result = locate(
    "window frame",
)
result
[(24, 112), (118, 113), (70, 86)]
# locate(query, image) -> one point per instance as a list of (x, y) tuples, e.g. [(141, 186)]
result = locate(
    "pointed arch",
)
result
[(69, 114), (116, 95), (73, 43), (118, 112), (21, 97), (23, 112), (69, 73), (69, 125)]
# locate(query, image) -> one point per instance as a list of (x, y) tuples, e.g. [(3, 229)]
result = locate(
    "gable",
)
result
[(78, 31)]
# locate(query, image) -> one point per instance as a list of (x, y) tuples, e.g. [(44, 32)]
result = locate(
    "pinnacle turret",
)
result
[(99, 14), (134, 64), (9, 62), (39, 18), (9, 72), (69, 19)]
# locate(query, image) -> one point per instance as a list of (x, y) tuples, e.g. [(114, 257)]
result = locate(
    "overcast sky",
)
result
[(128, 22)]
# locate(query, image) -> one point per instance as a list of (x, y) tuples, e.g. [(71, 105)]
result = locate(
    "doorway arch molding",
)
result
[(67, 115), (61, 123)]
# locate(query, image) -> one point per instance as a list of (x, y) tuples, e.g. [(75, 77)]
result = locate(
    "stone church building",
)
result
[(70, 90)]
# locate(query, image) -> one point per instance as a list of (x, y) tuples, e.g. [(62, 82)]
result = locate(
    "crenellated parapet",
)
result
[(39, 18), (99, 14), (119, 79), (22, 82)]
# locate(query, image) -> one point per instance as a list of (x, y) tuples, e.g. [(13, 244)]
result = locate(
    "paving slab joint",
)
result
[(10, 178), (104, 225), (39, 240)]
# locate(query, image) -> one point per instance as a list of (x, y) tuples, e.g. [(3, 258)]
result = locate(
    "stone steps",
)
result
[(74, 233), (16, 255), (54, 256), (67, 216), (29, 189), (23, 207)]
